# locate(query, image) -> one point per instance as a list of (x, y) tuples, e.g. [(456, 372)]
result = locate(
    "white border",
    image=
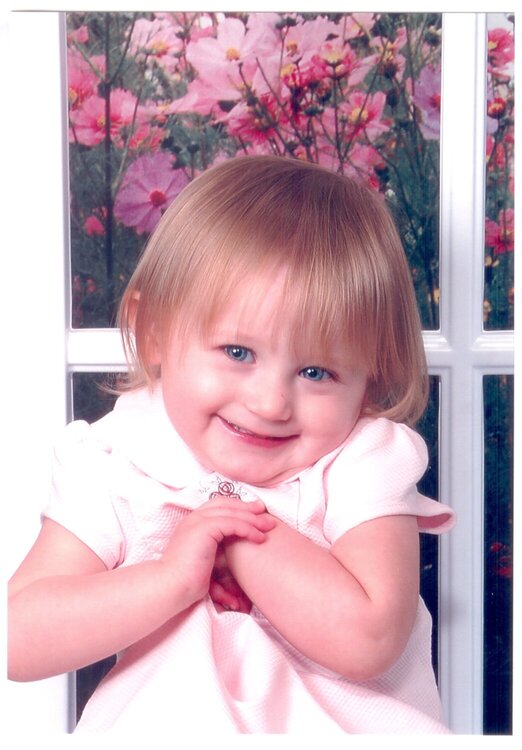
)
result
[(38, 346)]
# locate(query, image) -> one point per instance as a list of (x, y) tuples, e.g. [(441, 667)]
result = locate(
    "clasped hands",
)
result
[(223, 588), (197, 550)]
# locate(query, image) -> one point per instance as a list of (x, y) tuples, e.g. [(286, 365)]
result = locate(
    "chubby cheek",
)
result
[(194, 395), (208, 391), (342, 423), (337, 421)]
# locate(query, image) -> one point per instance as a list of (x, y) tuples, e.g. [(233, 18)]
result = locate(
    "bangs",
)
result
[(318, 313)]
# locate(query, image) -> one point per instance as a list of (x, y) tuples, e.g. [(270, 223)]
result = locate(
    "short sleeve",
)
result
[(80, 497), (376, 474)]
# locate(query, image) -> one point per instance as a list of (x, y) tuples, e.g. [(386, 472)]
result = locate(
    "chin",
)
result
[(257, 478), (246, 474), (248, 477)]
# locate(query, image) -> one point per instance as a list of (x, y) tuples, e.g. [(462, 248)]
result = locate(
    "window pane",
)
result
[(498, 543), (92, 396), (499, 231), (357, 92), (429, 429)]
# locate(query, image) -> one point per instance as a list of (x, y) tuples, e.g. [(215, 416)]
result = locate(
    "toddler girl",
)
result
[(242, 529)]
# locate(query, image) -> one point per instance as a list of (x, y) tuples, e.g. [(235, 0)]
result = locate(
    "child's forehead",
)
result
[(265, 307), (256, 294), (258, 302)]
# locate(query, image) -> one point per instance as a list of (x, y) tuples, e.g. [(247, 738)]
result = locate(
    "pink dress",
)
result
[(123, 483)]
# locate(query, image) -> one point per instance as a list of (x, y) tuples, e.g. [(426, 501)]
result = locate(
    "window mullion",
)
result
[(462, 222)]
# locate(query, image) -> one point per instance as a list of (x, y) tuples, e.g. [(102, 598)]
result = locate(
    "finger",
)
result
[(263, 521), (228, 527), (247, 524), (254, 506), (222, 597), (244, 603)]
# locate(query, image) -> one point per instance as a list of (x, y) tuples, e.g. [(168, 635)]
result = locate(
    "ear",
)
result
[(151, 339), (132, 310), (153, 349)]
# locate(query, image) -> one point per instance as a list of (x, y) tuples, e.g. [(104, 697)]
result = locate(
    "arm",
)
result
[(350, 608), (67, 610)]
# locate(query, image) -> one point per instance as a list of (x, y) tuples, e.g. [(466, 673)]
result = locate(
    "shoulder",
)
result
[(105, 431), (81, 492), (84, 464), (375, 473), (137, 433), (381, 442)]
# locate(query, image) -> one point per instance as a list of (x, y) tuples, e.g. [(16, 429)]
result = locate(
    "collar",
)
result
[(141, 430)]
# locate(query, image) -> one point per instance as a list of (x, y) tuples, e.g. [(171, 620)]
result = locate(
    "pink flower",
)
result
[(223, 62), (490, 143), (502, 563), (497, 108), (228, 64), (359, 162), (363, 113), (93, 226), (501, 236), (149, 186), (157, 39), (146, 137), (82, 80), (88, 123), (358, 24), (501, 48), (202, 97), (79, 35), (427, 100), (301, 42), (256, 123), (317, 49), (90, 286), (362, 162), (499, 157), (336, 60), (389, 62), (196, 24)]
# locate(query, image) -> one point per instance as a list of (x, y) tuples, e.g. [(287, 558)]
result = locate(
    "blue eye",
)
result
[(239, 353), (315, 374)]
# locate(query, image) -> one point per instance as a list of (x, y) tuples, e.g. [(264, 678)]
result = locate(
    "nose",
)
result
[(269, 397)]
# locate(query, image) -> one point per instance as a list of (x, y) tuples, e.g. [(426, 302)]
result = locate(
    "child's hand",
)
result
[(61, 575), (191, 552), (224, 590)]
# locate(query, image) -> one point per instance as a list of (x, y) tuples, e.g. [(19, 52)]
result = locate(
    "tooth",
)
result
[(237, 428)]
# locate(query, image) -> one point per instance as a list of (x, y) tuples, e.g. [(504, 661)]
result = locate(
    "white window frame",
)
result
[(38, 404)]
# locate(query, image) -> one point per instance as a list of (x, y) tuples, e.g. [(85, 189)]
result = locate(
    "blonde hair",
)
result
[(346, 272)]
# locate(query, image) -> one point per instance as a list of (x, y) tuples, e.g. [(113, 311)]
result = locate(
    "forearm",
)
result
[(66, 610), (61, 623), (315, 603)]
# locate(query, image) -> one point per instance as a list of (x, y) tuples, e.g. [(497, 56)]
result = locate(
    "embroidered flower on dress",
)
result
[(220, 487)]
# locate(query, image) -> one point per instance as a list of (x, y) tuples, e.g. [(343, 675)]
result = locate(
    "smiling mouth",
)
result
[(254, 436)]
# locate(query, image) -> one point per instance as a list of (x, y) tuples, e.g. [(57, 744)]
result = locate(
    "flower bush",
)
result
[(356, 92), (155, 98), (499, 230)]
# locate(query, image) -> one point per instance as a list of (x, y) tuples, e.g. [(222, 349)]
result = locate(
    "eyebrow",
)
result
[(228, 333)]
